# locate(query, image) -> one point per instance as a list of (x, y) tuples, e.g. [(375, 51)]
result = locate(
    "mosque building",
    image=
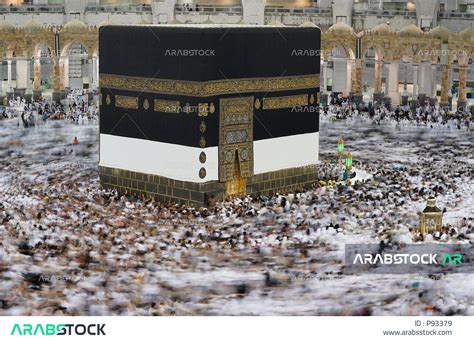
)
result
[(402, 52)]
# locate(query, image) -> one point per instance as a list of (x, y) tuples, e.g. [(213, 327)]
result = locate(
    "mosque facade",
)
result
[(408, 53)]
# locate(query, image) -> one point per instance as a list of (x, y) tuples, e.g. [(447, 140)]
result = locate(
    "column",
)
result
[(163, 11), (254, 11), (357, 85), (91, 73), (325, 76), (405, 82), (65, 73), (21, 77), (9, 84), (29, 89), (445, 85), (56, 79), (37, 78), (1, 78), (450, 85), (433, 98), (422, 81), (378, 80), (97, 72), (462, 87), (415, 81), (324, 92), (393, 84), (405, 85), (95, 68), (349, 68)]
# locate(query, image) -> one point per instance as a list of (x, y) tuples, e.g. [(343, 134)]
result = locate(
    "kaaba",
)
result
[(195, 113)]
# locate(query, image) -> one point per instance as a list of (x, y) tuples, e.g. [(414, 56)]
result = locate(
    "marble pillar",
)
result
[(414, 101), (445, 85), (97, 72), (433, 96), (325, 76), (91, 73), (349, 77), (21, 77), (253, 12), (95, 65), (357, 85), (56, 79), (163, 11), (37, 78), (404, 95), (339, 73), (393, 83), (450, 85), (462, 101), (29, 88), (422, 84), (66, 74), (415, 81), (9, 91), (378, 93), (324, 92), (1, 79)]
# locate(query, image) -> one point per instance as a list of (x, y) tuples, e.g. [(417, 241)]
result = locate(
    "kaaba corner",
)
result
[(194, 114)]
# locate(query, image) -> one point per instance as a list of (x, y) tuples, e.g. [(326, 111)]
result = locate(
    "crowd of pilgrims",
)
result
[(69, 247), (75, 110), (79, 111), (103, 254), (339, 108)]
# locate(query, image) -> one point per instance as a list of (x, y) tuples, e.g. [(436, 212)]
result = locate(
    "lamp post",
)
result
[(340, 149), (349, 166), (431, 218)]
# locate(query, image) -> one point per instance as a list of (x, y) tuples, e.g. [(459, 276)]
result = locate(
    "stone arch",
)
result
[(65, 49), (328, 48), (16, 49), (38, 47)]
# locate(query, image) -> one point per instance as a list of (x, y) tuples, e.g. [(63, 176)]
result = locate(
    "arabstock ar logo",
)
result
[(57, 329), (397, 259), (426, 259)]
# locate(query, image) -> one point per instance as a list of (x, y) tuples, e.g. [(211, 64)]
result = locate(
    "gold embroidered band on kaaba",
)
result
[(166, 106), (128, 102), (285, 101), (208, 88)]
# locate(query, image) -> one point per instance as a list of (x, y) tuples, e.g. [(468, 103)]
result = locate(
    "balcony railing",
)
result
[(180, 9), (455, 15), (32, 9), (118, 9), (298, 11), (385, 13)]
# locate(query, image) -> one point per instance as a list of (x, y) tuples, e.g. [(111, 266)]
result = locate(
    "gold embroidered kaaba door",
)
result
[(236, 143)]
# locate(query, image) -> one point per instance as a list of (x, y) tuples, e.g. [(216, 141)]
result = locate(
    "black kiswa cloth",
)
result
[(143, 56), (204, 54)]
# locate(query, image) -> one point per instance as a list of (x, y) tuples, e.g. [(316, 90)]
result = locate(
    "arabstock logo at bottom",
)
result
[(414, 258), (58, 329)]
